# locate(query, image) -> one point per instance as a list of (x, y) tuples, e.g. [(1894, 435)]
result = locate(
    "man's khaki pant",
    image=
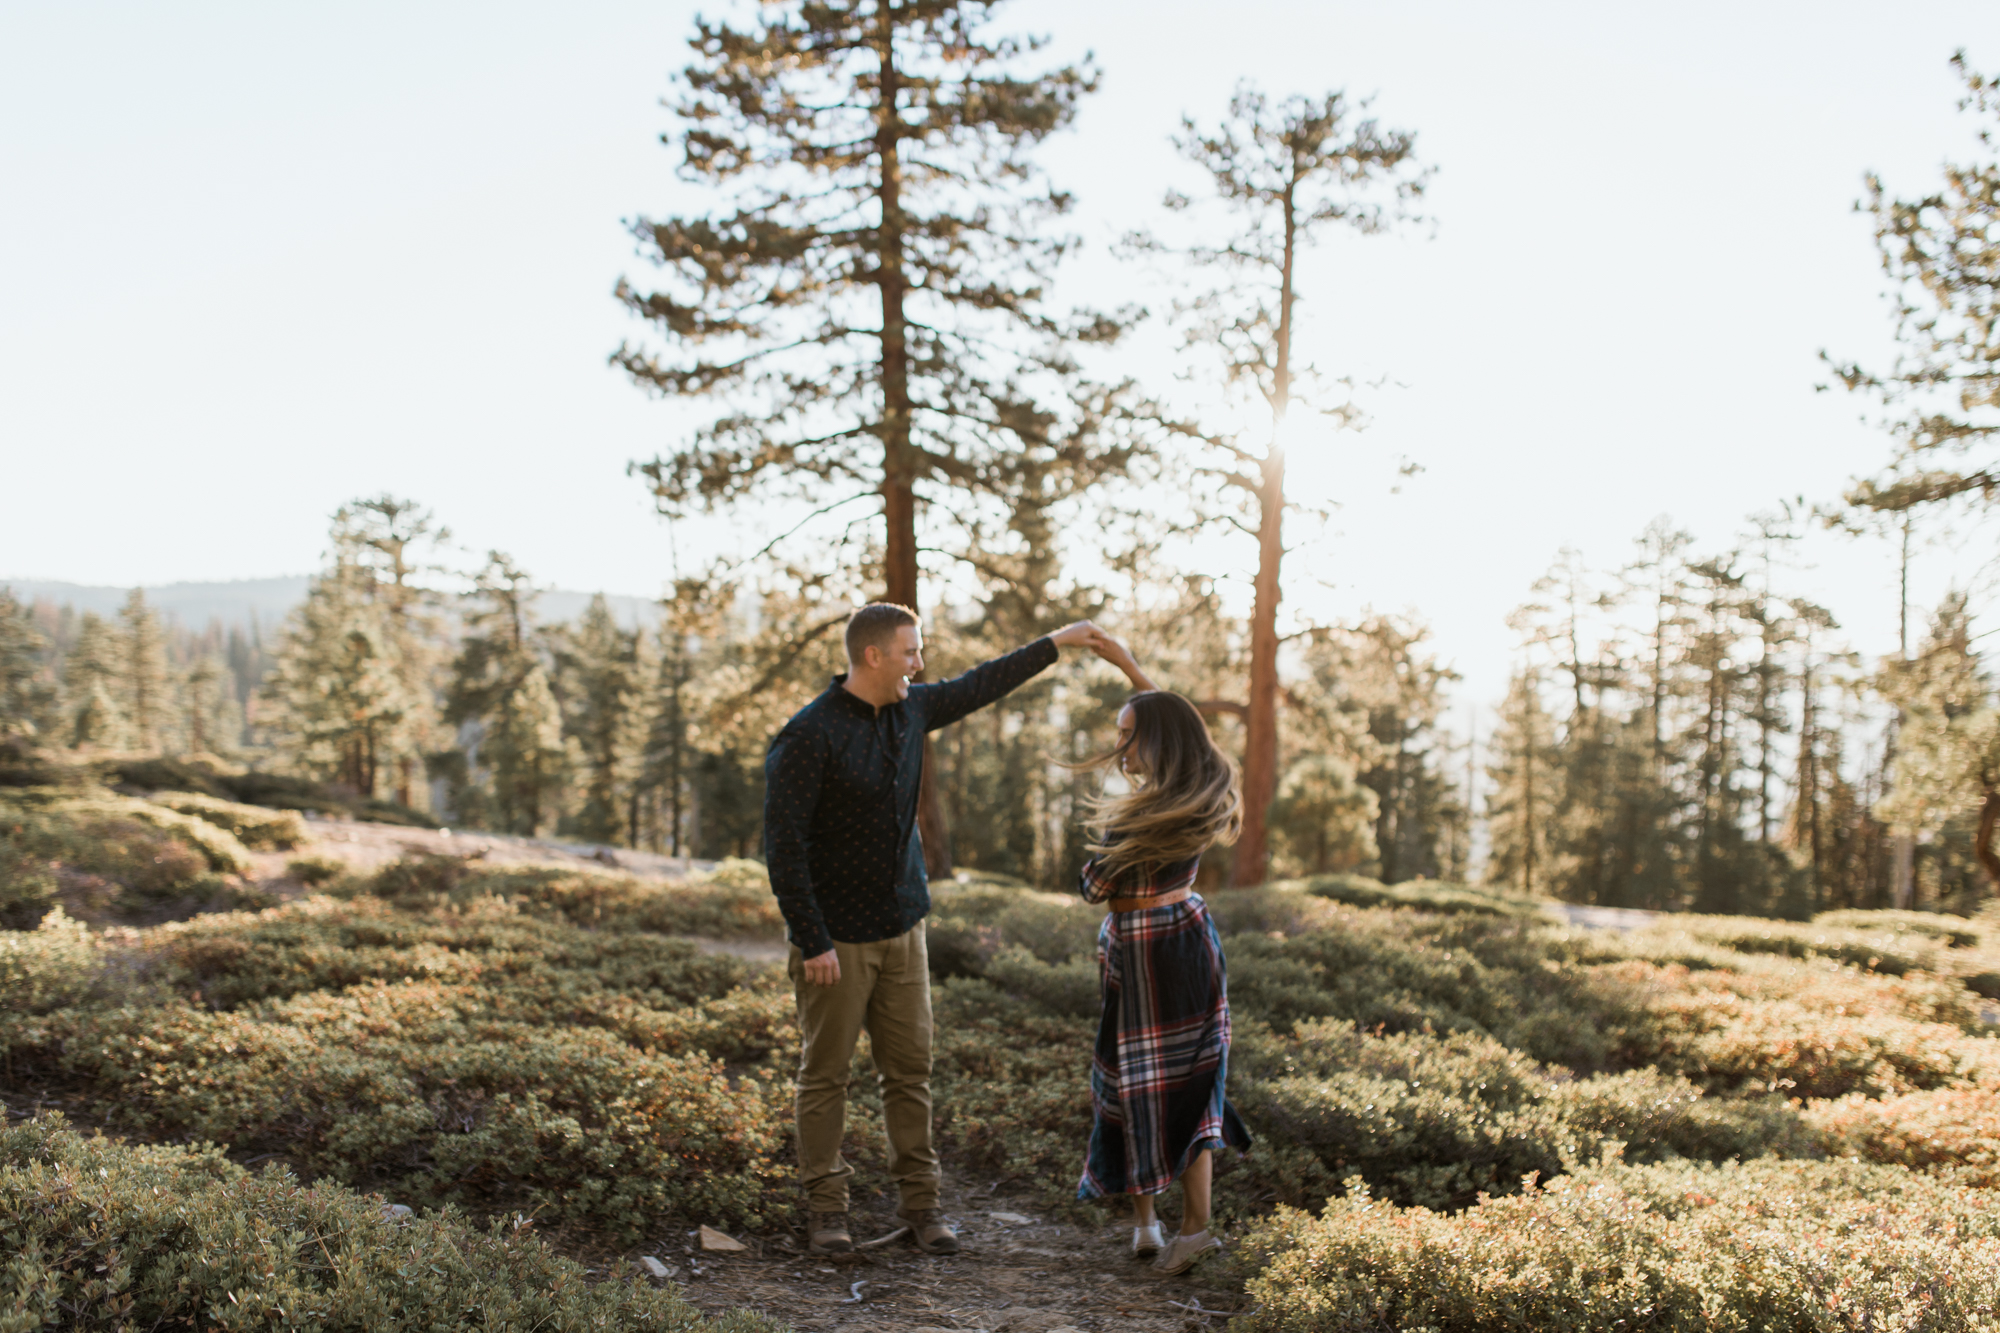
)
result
[(884, 989)]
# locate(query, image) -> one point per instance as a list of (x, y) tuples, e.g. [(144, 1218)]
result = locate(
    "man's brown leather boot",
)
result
[(826, 1233), (930, 1231)]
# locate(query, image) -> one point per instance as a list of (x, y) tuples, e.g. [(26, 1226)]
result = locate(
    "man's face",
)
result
[(901, 658)]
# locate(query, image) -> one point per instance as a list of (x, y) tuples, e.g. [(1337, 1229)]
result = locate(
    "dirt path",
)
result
[(1017, 1273)]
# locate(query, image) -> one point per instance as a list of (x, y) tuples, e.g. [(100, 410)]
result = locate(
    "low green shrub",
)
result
[(1768, 1246), (1945, 1129), (970, 926), (253, 825), (1426, 895), (732, 901), (1069, 989), (1438, 1120), (284, 791), (101, 865), (1428, 1119), (1408, 971), (53, 965), (1893, 951), (1831, 1032), (108, 1235), (468, 1054), (416, 1088), (1955, 931), (1658, 1116), (27, 879), (88, 811), (164, 773), (326, 944), (315, 871), (1012, 1087)]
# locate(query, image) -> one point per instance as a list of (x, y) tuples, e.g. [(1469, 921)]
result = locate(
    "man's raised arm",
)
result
[(948, 701), (793, 772)]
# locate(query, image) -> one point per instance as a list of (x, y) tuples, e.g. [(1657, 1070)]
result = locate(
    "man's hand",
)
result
[(823, 970), (1080, 635)]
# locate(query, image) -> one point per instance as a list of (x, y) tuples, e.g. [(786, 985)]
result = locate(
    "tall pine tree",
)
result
[(1521, 772), (604, 680), (1285, 172), (870, 300), (93, 673), (500, 685), (27, 695), (144, 685)]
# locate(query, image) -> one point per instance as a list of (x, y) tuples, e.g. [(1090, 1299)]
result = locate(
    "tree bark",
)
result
[(1260, 740), (899, 501), (1982, 843), (899, 508)]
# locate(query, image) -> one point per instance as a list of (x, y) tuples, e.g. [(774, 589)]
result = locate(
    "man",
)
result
[(847, 865)]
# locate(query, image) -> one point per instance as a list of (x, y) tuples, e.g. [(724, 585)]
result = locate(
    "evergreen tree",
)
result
[(882, 241), (92, 673), (342, 706), (603, 682), (694, 624), (384, 541), (872, 298), (1286, 172), (143, 686), (1820, 827), (1941, 396), (210, 719), (1522, 794), (27, 696), (1324, 819), (1948, 756), (500, 685), (1371, 699), (524, 749)]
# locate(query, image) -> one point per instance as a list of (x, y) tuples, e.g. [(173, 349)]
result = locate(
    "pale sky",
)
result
[(258, 258)]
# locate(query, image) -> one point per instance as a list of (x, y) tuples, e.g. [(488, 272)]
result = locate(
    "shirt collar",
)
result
[(852, 701)]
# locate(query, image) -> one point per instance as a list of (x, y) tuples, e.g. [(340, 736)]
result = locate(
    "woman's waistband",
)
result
[(1156, 900)]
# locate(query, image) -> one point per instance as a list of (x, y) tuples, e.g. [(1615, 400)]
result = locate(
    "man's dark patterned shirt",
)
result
[(840, 803)]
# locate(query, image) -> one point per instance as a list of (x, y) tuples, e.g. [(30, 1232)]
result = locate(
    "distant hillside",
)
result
[(267, 601)]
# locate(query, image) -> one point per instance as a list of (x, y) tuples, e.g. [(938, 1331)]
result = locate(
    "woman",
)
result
[(1156, 1077)]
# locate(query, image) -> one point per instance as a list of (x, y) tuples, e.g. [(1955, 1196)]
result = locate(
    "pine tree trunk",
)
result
[(1982, 844), (899, 501), (1260, 740)]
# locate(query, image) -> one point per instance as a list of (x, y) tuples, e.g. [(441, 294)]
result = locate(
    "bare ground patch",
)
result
[(1018, 1272)]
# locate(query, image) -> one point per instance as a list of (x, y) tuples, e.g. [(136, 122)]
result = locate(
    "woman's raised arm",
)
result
[(1116, 653)]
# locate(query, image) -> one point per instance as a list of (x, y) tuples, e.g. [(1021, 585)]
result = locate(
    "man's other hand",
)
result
[(823, 970), (1079, 635)]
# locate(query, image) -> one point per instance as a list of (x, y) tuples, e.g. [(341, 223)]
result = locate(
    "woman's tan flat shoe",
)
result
[(1185, 1252)]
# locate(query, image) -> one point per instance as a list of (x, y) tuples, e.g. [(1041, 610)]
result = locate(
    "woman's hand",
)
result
[(1116, 653)]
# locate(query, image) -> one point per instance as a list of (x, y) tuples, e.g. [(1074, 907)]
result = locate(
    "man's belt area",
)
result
[(1156, 900)]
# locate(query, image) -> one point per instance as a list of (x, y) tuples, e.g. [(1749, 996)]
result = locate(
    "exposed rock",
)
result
[(714, 1240)]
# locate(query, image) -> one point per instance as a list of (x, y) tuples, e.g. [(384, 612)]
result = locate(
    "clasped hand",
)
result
[(1088, 634)]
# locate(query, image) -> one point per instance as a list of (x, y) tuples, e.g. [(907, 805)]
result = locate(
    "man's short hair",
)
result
[(875, 626)]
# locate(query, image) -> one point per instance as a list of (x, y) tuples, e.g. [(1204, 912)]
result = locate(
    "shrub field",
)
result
[(1469, 1115)]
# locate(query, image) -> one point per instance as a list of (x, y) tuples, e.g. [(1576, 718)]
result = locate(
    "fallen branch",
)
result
[(880, 1241)]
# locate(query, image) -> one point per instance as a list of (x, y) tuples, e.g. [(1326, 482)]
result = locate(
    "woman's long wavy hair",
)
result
[(1185, 793)]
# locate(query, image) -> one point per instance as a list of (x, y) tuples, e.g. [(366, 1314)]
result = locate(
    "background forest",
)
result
[(1682, 731)]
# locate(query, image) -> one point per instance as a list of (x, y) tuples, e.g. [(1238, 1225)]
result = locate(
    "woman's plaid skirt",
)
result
[(1162, 1055)]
